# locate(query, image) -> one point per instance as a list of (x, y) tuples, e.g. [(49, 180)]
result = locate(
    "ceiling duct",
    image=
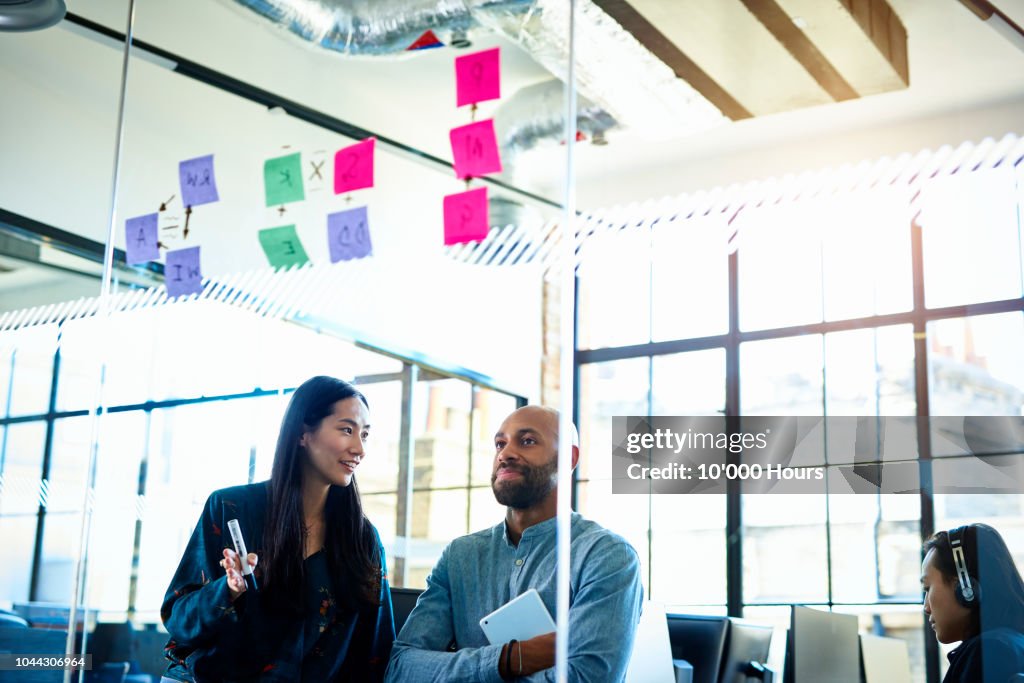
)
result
[(532, 116), (613, 69), (369, 28), (536, 113), (30, 15)]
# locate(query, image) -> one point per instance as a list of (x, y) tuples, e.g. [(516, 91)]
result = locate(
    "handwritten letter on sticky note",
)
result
[(182, 274), (478, 77), (198, 184), (282, 247), (348, 235), (282, 179), (353, 167), (465, 216), (475, 149), (140, 239)]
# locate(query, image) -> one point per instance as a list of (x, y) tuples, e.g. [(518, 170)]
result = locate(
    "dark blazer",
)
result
[(215, 640)]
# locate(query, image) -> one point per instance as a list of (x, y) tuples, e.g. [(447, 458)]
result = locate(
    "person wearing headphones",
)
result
[(974, 595)]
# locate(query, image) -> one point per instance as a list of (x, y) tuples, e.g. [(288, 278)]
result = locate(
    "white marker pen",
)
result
[(236, 537)]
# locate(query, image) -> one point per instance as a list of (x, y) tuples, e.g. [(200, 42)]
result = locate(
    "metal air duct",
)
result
[(30, 15), (613, 69)]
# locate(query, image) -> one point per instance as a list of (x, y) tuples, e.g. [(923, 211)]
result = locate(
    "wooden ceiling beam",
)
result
[(886, 31), (986, 10), (664, 49), (796, 42)]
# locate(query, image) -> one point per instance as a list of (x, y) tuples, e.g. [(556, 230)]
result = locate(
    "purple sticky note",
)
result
[(348, 235), (465, 216), (198, 185), (181, 272), (475, 149), (353, 167), (478, 77), (140, 239)]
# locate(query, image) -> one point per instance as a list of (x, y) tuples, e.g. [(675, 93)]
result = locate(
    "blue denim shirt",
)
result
[(481, 572)]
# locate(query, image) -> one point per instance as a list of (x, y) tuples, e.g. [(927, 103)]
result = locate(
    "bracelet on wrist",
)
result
[(508, 656)]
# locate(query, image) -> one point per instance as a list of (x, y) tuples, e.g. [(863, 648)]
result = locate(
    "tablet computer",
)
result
[(521, 618)]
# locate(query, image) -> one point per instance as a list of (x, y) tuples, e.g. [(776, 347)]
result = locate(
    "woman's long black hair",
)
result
[(1000, 602), (349, 542)]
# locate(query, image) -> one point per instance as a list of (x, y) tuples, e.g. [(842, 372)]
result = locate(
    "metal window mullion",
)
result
[(473, 389), (406, 472), (133, 581), (575, 500), (924, 445), (733, 502), (44, 476)]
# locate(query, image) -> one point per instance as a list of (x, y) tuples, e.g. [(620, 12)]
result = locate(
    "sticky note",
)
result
[(465, 216), (140, 238), (282, 246), (353, 167), (182, 274), (478, 77), (475, 149), (198, 184), (282, 179), (348, 235)]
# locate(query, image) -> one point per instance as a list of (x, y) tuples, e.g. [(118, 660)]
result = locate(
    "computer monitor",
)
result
[(886, 660), (112, 642), (746, 649), (700, 640), (822, 647), (402, 602)]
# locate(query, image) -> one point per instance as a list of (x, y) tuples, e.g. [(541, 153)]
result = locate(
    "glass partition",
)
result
[(767, 215), (251, 250), (62, 96)]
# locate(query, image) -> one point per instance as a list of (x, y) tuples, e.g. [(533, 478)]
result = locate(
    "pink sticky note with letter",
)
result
[(465, 217), (478, 77), (353, 167), (475, 149)]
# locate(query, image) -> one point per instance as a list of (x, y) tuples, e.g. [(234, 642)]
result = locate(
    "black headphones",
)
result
[(968, 592)]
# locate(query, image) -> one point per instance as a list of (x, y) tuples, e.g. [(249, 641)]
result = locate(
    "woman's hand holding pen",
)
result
[(233, 566)]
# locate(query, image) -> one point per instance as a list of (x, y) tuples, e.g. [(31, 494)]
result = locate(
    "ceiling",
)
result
[(961, 81), (954, 62)]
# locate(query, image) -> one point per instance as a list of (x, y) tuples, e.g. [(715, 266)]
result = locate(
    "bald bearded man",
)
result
[(442, 639)]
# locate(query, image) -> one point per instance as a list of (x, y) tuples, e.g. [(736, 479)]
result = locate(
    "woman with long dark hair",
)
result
[(973, 594), (319, 608)]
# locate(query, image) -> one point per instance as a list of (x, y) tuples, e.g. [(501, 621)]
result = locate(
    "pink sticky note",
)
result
[(478, 77), (465, 216), (475, 149), (353, 167)]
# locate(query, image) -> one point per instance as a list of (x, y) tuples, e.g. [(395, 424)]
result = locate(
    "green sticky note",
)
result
[(282, 179), (282, 246)]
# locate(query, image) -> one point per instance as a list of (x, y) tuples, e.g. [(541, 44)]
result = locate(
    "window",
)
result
[(181, 422), (826, 325)]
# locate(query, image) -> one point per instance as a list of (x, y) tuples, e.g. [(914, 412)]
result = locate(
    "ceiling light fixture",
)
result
[(30, 15)]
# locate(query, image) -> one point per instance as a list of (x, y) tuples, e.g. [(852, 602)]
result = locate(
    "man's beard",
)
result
[(535, 485)]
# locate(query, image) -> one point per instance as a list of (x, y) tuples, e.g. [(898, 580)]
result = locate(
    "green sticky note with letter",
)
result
[(282, 247), (282, 179)]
